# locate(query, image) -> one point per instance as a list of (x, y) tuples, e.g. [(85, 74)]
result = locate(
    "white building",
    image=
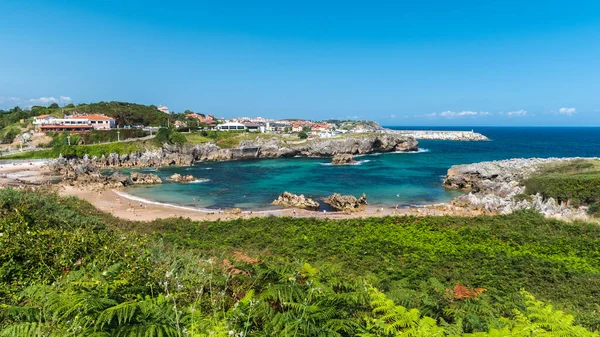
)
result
[(231, 126), (163, 108), (79, 123), (98, 122)]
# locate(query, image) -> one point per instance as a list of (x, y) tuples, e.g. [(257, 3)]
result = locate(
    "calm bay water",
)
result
[(387, 179)]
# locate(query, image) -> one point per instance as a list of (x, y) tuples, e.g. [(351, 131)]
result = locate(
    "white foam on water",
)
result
[(187, 208), (412, 152), (360, 162), (197, 181)]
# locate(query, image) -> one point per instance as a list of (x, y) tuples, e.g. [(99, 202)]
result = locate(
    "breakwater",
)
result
[(440, 135)]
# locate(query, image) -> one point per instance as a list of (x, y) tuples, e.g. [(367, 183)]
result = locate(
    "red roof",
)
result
[(94, 118)]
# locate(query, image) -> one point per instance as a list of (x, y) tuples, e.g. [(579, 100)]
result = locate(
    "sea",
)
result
[(389, 179)]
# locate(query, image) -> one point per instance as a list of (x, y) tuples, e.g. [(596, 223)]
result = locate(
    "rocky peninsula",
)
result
[(272, 148), (496, 187)]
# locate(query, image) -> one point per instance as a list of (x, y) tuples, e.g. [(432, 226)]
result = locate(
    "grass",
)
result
[(79, 151), (231, 139), (576, 182)]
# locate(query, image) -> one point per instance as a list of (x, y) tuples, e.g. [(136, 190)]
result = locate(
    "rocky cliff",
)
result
[(188, 154), (495, 188)]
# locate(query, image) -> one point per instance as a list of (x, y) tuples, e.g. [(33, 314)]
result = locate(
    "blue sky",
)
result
[(399, 63)]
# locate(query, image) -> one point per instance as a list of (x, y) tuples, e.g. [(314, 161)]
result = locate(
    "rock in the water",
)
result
[(178, 178), (342, 159), (292, 200), (346, 202), (144, 178)]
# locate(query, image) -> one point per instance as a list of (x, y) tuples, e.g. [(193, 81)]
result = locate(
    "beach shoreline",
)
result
[(130, 207)]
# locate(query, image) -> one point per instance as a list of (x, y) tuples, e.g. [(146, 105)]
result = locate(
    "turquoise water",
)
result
[(387, 179)]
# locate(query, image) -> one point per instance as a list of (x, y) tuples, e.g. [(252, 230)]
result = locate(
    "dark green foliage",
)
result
[(169, 136), (67, 269), (8, 135), (554, 260), (576, 182), (127, 113), (302, 135), (81, 150)]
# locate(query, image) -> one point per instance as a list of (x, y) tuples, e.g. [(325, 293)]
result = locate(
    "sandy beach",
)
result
[(122, 205)]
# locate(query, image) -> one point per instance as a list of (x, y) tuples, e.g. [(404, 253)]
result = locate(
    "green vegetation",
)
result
[(78, 151), (124, 113), (7, 135), (67, 269), (302, 135), (169, 136), (231, 139), (576, 182)]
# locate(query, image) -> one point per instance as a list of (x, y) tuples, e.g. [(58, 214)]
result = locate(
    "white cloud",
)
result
[(44, 100), (567, 111), (455, 114), (517, 113), (392, 116), (65, 99)]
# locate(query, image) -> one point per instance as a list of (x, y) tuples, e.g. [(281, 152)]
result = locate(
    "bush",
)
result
[(302, 135), (169, 136)]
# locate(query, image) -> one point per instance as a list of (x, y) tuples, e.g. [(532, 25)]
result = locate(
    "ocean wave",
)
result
[(187, 208), (150, 202), (412, 152), (368, 154), (197, 181), (360, 162)]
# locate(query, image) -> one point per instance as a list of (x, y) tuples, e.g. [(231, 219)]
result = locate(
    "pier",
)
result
[(441, 135)]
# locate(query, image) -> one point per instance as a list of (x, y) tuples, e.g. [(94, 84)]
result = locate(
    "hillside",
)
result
[(125, 113), (68, 269)]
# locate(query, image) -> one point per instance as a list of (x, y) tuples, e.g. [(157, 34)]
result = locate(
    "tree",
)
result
[(302, 135), (54, 106)]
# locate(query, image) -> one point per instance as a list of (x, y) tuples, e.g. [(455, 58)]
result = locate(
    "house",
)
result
[(66, 124), (163, 108), (207, 120), (253, 127), (231, 126), (277, 126), (98, 122), (38, 121), (319, 127), (179, 124)]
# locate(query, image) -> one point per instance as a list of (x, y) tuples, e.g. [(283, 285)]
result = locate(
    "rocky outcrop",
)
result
[(89, 177), (346, 202), (260, 148), (138, 178), (359, 145), (495, 188), (299, 201), (342, 159), (178, 178)]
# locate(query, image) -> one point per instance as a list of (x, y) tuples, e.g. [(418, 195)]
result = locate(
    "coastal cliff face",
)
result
[(187, 155), (495, 188)]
